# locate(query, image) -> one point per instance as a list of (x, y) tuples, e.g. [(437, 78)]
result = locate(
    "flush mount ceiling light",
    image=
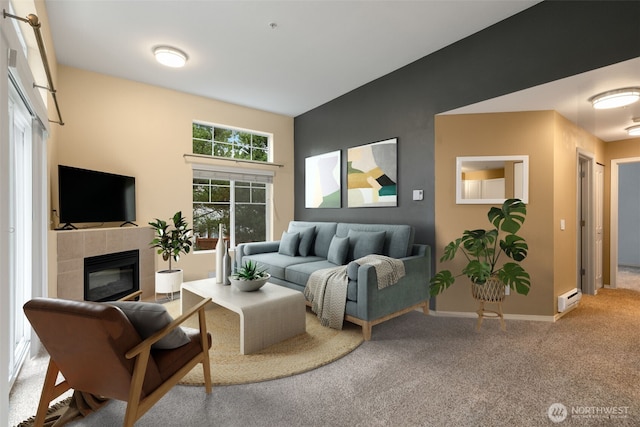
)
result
[(615, 98), (633, 130), (170, 56)]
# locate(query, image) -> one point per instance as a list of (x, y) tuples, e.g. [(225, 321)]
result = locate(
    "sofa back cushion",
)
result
[(307, 237), (338, 250), (324, 233), (363, 243), (289, 243), (398, 239)]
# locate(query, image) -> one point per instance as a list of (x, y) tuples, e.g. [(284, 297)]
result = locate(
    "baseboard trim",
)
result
[(471, 314), (560, 315)]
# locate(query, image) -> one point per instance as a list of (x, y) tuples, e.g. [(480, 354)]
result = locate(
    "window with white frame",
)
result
[(214, 140), (236, 197)]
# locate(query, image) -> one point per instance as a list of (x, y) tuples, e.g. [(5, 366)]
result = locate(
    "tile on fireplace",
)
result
[(70, 245), (95, 242), (71, 285)]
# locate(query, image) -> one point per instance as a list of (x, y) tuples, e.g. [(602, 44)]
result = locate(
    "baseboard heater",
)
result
[(569, 300)]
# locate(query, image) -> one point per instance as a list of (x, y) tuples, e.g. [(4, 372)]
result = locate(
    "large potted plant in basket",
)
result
[(171, 243), (484, 249)]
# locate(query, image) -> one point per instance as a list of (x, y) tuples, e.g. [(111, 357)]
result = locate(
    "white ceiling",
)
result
[(318, 51), (570, 97)]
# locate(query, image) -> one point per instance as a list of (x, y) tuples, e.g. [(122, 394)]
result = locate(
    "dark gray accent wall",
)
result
[(552, 40)]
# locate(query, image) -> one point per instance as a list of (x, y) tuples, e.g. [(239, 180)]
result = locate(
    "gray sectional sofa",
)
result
[(310, 246)]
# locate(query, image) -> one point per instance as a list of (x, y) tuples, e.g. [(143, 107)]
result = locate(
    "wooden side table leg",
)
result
[(503, 326)]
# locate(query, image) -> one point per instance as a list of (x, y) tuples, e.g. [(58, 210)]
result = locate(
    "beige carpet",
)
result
[(318, 346), (426, 370)]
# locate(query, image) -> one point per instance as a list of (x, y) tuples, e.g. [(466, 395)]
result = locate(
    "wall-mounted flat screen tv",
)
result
[(93, 196)]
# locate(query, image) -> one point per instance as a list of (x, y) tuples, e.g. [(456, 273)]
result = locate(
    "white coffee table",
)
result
[(267, 316)]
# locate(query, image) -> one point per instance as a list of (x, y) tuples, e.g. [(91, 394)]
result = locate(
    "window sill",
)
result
[(216, 160)]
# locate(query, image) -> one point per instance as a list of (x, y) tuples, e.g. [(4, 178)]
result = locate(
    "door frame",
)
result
[(598, 224), (613, 219), (585, 211)]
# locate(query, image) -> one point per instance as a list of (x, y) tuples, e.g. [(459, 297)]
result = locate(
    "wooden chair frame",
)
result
[(137, 407)]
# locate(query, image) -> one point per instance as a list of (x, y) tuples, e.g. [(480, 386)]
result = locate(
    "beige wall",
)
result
[(129, 128), (622, 149), (35, 63), (569, 138), (550, 141)]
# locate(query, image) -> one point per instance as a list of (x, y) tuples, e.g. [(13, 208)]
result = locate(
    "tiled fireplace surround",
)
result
[(75, 245)]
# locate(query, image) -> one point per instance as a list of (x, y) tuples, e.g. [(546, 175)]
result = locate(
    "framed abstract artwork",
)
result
[(372, 174), (322, 181)]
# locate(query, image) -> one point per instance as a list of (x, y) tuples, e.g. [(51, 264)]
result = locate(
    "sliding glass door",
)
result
[(20, 227)]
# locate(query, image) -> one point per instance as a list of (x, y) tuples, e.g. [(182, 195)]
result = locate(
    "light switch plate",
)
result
[(418, 195)]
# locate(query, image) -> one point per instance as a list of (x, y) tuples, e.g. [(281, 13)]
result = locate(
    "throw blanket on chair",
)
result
[(326, 289)]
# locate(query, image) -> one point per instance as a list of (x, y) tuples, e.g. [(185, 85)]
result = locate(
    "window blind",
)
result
[(231, 174)]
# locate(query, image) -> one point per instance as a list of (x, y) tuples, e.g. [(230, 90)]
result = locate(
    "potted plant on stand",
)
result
[(171, 242), (483, 250)]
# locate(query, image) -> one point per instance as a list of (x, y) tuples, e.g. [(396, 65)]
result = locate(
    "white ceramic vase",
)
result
[(226, 265), (219, 255)]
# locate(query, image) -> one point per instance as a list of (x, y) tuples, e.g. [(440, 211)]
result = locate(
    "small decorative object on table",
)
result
[(482, 249), (250, 277), (226, 265), (219, 255)]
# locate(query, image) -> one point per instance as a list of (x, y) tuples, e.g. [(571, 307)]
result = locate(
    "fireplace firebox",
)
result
[(111, 276)]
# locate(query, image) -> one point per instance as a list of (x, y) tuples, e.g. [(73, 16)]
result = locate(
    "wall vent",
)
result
[(569, 300)]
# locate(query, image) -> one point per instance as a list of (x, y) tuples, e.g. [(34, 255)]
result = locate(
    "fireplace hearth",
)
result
[(111, 276)]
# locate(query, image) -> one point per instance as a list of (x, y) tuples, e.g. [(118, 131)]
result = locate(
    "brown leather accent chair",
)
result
[(98, 351)]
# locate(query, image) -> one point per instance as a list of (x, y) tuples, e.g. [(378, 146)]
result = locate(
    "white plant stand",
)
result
[(168, 282)]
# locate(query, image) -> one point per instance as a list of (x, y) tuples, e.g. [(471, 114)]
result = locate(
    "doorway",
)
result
[(625, 217), (590, 220), (24, 168)]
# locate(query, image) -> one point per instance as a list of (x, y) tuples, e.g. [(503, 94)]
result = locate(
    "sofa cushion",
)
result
[(307, 236), (170, 361), (148, 318), (362, 243), (299, 274), (324, 233), (338, 250), (398, 241), (289, 244), (276, 263)]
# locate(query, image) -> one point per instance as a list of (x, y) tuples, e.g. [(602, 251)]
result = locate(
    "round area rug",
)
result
[(318, 346)]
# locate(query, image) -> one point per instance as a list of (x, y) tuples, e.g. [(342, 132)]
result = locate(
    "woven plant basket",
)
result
[(491, 291)]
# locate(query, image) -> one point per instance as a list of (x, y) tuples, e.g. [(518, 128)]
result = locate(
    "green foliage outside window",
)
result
[(223, 142), (213, 203)]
